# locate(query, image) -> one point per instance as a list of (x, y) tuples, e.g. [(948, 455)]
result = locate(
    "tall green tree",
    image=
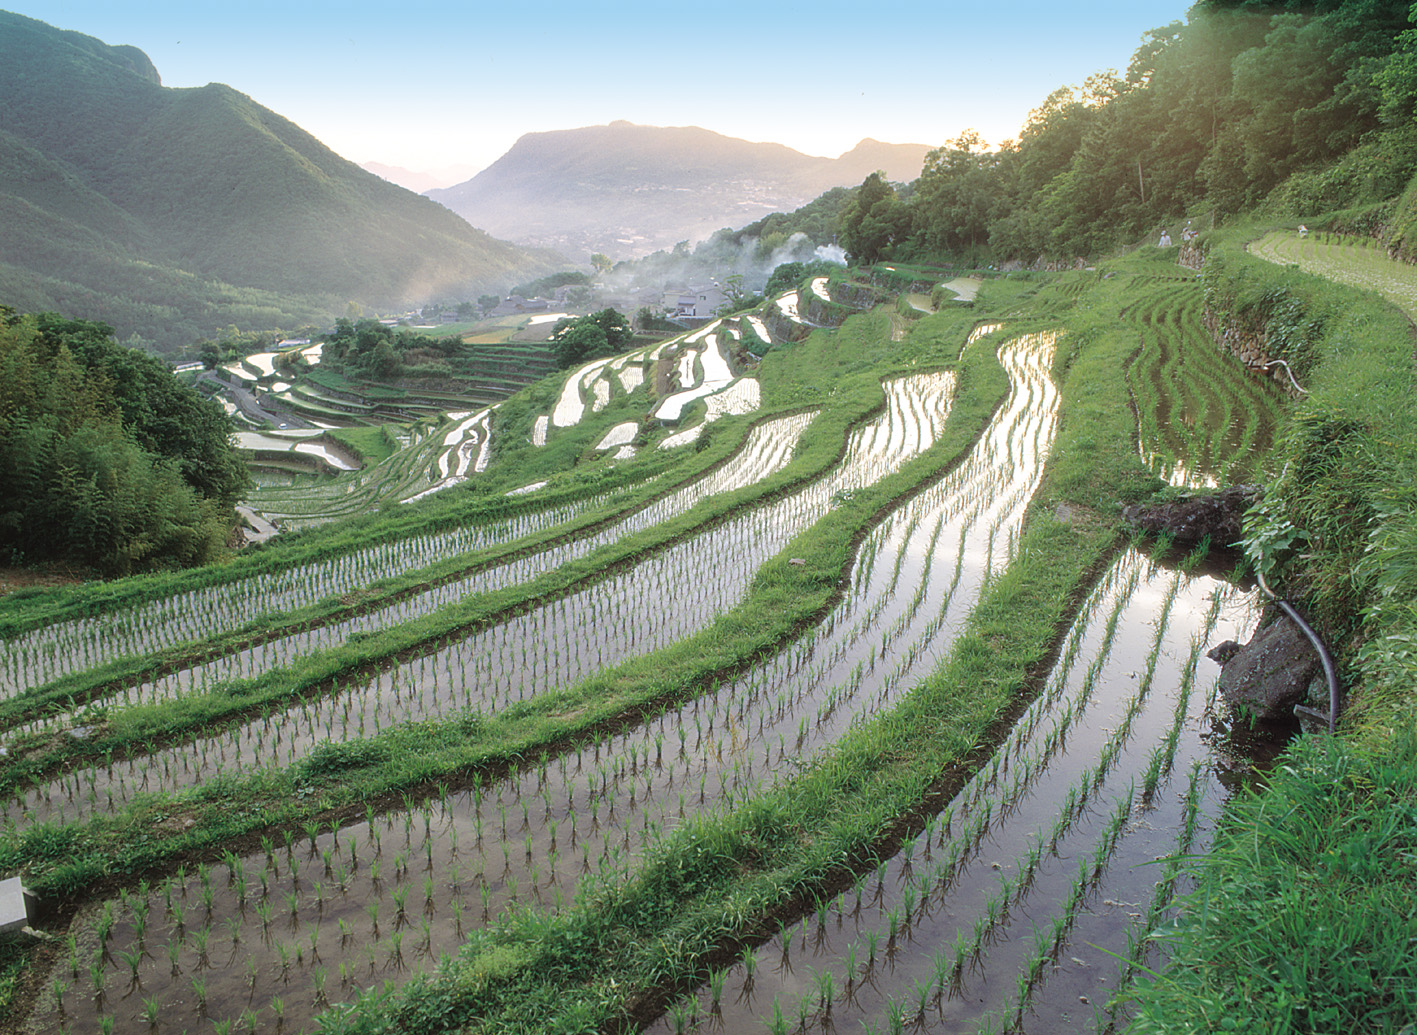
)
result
[(603, 333), (873, 220), (957, 195)]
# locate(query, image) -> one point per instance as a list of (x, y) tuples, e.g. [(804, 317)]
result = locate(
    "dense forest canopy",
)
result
[(1301, 107), (106, 460)]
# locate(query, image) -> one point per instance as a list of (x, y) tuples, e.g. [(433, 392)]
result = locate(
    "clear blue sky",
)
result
[(426, 84)]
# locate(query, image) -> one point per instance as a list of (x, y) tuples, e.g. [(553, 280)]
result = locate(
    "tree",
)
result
[(600, 262), (487, 303), (600, 334), (732, 288), (102, 444), (210, 354), (957, 195), (873, 220), (580, 340)]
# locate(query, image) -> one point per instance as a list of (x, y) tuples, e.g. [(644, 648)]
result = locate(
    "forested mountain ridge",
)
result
[(628, 189), (1294, 107), (173, 212)]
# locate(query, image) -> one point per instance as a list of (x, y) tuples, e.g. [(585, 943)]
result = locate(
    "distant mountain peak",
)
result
[(627, 189), (164, 212)]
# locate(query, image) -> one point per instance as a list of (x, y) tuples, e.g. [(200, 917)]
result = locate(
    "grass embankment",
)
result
[(1341, 525), (719, 881), (1306, 913), (1303, 916), (41, 606), (68, 860)]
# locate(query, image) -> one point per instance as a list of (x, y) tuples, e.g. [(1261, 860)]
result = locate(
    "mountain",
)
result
[(171, 213), (627, 190), (408, 179), (417, 180)]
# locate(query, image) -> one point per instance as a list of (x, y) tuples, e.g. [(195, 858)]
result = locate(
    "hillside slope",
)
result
[(627, 190), (117, 191)]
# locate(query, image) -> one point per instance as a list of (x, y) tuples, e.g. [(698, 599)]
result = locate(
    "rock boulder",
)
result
[(1214, 516), (1270, 674)]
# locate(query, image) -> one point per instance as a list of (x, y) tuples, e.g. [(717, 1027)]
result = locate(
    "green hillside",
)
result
[(172, 213), (514, 757)]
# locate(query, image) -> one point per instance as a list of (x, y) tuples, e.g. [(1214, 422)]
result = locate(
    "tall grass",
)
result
[(1305, 913)]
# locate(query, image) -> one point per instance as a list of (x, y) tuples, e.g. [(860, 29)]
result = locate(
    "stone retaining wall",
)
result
[(1247, 341)]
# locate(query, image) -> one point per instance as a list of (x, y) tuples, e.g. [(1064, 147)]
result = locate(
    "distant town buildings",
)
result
[(515, 304)]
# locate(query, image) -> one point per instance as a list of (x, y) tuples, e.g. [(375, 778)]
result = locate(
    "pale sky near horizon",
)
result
[(432, 84)]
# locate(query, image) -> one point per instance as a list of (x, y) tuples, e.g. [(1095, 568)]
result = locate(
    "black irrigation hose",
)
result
[(1330, 673)]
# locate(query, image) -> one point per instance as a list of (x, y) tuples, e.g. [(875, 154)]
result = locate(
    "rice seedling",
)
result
[(778, 1024)]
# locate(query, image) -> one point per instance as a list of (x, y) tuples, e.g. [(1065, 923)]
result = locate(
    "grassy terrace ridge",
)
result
[(793, 596)]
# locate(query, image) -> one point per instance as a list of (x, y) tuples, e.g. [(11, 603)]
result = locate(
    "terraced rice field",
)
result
[(47, 653), (523, 655), (1360, 262), (1001, 910), (1202, 421), (985, 914)]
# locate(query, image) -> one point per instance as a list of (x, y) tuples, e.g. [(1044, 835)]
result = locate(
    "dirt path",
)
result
[(1356, 261)]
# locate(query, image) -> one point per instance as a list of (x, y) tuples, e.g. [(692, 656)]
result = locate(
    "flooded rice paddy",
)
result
[(989, 914)]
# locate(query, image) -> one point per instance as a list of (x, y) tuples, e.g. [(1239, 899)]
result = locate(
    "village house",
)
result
[(695, 302)]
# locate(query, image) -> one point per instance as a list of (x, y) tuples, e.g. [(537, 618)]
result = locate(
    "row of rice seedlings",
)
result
[(554, 645), (1214, 403), (1202, 419), (1168, 433), (42, 655), (768, 449), (1142, 936), (270, 930), (1257, 402), (983, 806), (1129, 892)]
